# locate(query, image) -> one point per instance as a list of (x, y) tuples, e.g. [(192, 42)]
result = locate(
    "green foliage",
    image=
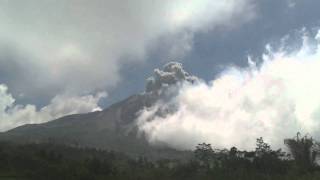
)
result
[(262, 147), (204, 153), (52, 161), (304, 151)]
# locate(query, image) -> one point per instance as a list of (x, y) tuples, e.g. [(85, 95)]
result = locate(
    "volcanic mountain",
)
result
[(115, 127)]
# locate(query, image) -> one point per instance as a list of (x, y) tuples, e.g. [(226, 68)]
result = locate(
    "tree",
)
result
[(262, 147), (304, 150), (204, 153), (233, 152), (267, 160)]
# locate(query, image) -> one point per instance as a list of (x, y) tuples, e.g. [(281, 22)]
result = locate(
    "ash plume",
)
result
[(275, 100)]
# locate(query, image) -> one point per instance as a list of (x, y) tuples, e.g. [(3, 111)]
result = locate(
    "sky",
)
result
[(77, 56)]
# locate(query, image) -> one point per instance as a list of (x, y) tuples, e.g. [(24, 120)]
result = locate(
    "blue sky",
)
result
[(214, 50), (102, 51)]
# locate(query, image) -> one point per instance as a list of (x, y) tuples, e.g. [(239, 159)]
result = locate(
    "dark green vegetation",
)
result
[(54, 161)]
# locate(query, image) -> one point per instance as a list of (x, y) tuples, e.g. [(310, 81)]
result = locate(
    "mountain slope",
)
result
[(113, 128)]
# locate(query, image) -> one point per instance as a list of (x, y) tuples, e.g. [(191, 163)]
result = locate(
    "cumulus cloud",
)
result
[(275, 100), (13, 115), (203, 14), (55, 45), (52, 48)]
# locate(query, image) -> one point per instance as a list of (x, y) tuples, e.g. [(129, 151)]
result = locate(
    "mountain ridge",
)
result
[(113, 128)]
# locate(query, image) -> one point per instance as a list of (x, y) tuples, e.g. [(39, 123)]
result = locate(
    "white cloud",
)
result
[(77, 47), (275, 100), (292, 3), (56, 45), (13, 115), (201, 14)]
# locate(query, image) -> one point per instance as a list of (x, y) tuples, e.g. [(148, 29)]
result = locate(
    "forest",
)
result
[(60, 161)]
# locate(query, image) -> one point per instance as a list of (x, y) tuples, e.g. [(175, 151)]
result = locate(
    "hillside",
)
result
[(113, 128)]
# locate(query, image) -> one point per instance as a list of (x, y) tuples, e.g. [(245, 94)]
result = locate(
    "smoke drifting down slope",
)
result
[(275, 100), (13, 114)]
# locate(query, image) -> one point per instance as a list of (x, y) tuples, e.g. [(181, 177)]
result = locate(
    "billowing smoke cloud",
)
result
[(172, 74), (50, 48), (13, 115), (275, 100), (55, 45)]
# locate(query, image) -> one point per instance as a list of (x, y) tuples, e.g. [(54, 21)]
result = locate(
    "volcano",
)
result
[(113, 128)]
